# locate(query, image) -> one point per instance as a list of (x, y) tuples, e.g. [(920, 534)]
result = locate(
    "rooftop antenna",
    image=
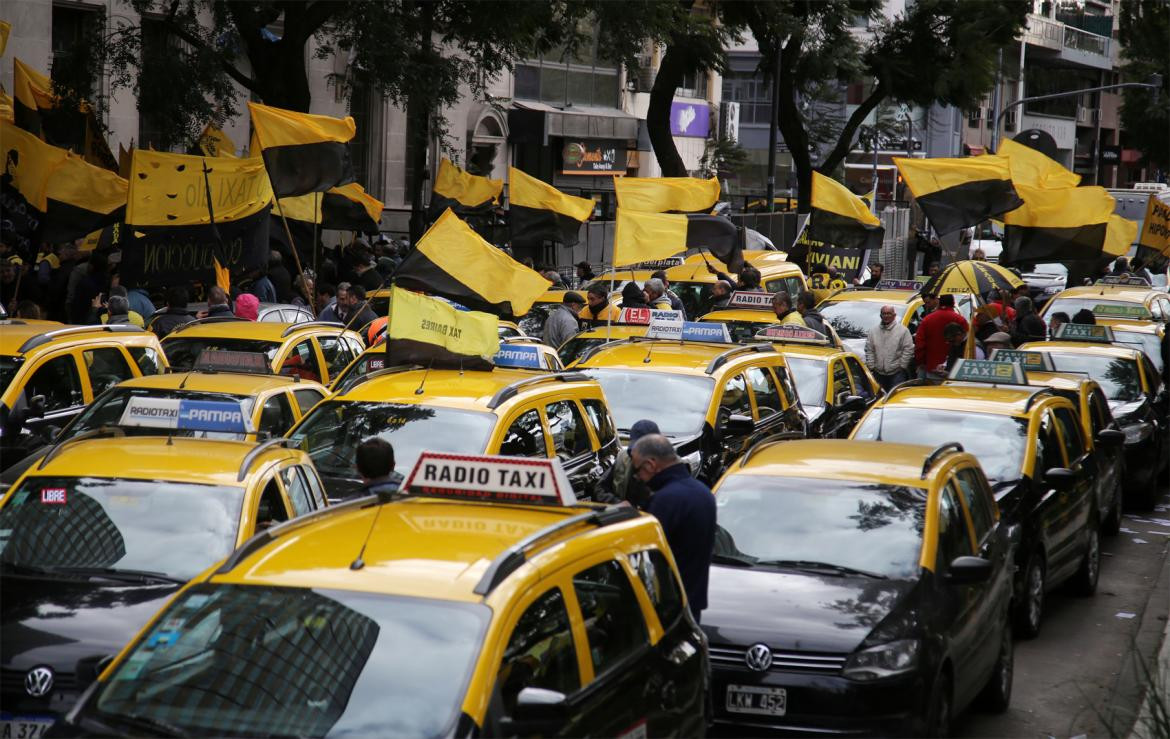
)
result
[(358, 562), (419, 389)]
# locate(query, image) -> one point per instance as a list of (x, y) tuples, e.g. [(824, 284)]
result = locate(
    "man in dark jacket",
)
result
[(633, 297), (218, 305), (374, 460), (686, 509), (806, 303), (280, 277), (175, 315), (1029, 326), (675, 301)]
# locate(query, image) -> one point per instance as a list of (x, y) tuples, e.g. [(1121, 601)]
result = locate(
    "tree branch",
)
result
[(316, 16), (194, 40), (845, 140)]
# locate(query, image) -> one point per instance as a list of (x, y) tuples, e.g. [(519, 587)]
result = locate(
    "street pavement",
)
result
[(1085, 674)]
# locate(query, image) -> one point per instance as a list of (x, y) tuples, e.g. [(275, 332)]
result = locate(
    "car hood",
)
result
[(796, 611), (64, 622)]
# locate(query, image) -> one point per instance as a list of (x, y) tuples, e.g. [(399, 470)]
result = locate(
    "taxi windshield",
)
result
[(333, 430), (247, 660), (108, 408), (1151, 344), (573, 348), (9, 366), (1072, 306), (1117, 377), (63, 523), (768, 520), (359, 368), (854, 318), (811, 377), (678, 403), (695, 296), (997, 441), (182, 353)]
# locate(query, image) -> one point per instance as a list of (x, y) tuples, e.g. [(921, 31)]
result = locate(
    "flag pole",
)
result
[(219, 250), (296, 255), (316, 221)]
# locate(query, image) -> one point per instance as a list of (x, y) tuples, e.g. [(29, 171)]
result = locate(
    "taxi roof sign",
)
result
[(183, 414), (794, 334), (1131, 280), (634, 316), (751, 300), (911, 285), (518, 356), (1117, 310), (489, 478), (1084, 332), (223, 360), (655, 264), (1031, 361), (989, 371), (707, 331)]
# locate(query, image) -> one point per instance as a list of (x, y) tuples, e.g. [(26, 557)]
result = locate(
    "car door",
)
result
[(768, 405), (1081, 500), (336, 354), (276, 416), (1051, 516), (57, 381), (524, 436), (734, 423), (1096, 416), (267, 507), (305, 398), (863, 387), (297, 489), (838, 423), (604, 429), (573, 445), (302, 361), (105, 366)]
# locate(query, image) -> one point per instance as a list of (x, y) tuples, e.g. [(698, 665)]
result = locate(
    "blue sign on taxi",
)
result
[(520, 356), (1084, 332)]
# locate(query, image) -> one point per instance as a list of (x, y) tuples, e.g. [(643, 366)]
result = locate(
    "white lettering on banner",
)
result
[(503, 479), (666, 315), (53, 496), (743, 299), (151, 412)]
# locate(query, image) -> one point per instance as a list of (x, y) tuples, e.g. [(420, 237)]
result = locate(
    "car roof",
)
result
[(468, 390), (617, 331), (217, 382), (810, 351), (690, 358), (741, 314), (1069, 381), (13, 334), (423, 547), (256, 330), (1135, 327), (837, 459), (169, 459), (873, 296), (1082, 347), (963, 398), (1131, 293)]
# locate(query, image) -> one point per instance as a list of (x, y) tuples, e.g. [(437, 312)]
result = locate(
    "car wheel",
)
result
[(997, 694), (938, 713), (1112, 523), (1030, 608), (1084, 582)]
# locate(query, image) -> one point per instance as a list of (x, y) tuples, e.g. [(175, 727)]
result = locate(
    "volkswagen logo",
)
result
[(38, 682), (758, 657)]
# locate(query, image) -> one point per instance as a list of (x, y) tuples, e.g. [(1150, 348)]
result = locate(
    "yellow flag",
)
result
[(215, 143), (421, 318), (525, 191), (29, 162), (5, 106), (1060, 208), (1032, 168), (5, 29), (1156, 225), (303, 152), (31, 91), (223, 277), (1120, 234), (169, 190), (644, 237), (348, 207), (666, 194), (459, 190), (80, 198), (833, 197)]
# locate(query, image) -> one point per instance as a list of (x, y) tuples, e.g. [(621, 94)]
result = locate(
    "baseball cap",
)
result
[(642, 428)]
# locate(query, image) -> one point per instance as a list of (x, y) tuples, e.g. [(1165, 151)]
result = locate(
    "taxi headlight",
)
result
[(1138, 432), (884, 660), (694, 461)]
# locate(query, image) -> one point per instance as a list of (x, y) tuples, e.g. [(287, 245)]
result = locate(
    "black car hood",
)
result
[(795, 610), (61, 622)]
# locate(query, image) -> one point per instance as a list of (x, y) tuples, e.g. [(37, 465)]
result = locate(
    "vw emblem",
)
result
[(38, 682), (758, 657)]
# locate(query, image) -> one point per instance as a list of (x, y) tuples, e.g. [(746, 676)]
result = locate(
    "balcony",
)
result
[(1044, 32), (1072, 44)]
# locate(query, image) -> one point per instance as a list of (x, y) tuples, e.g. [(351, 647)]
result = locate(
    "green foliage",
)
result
[(1145, 33), (722, 158)]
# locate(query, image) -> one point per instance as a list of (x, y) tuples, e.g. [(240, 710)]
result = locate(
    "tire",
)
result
[(938, 711), (1111, 526), (1084, 582), (1030, 608), (997, 694)]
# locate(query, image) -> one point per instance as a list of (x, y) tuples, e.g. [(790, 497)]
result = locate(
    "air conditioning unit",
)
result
[(646, 73), (729, 120)]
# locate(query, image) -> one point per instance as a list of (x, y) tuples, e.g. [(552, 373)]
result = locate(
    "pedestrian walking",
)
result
[(686, 509), (620, 483), (889, 349), (374, 460), (562, 323), (931, 347), (806, 305), (785, 313)]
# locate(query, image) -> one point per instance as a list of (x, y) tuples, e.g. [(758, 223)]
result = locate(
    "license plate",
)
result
[(757, 700), (23, 727)]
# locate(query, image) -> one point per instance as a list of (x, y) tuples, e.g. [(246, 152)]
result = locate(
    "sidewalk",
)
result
[(1153, 720)]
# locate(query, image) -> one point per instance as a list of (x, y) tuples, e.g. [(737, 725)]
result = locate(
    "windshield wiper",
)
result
[(814, 566), (117, 573), (737, 560), (144, 723)]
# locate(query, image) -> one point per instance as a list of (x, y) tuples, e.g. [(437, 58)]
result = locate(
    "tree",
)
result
[(938, 51), (1144, 28)]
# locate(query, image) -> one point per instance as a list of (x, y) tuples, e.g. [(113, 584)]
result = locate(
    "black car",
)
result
[(848, 594)]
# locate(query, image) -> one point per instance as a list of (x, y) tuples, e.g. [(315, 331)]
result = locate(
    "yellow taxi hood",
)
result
[(838, 459), (216, 382), (470, 389)]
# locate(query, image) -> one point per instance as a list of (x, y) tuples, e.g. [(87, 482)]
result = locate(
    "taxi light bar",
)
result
[(654, 264), (909, 285), (988, 371), (1118, 280), (518, 356), (750, 300), (1031, 361), (493, 479), (792, 334), (186, 415), (634, 316), (223, 360), (1087, 332), (1113, 310), (673, 328)]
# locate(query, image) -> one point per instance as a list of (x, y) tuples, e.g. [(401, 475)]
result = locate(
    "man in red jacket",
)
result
[(930, 345)]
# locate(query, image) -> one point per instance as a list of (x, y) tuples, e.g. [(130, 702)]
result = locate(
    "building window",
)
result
[(557, 78), (752, 93), (974, 117), (151, 123), (693, 86), (74, 30)]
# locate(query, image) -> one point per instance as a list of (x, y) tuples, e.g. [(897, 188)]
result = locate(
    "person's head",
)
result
[(781, 302), (8, 269), (325, 293), (833, 274), (28, 309), (216, 296), (118, 305), (946, 301), (553, 276), (930, 301), (118, 291), (651, 454), (1023, 305), (573, 301), (953, 333), (876, 270), (632, 294), (1056, 320), (998, 340), (1020, 291), (355, 295), (806, 301), (642, 428), (888, 314), (933, 268), (597, 295), (653, 289), (660, 275), (374, 459), (1121, 265), (1085, 316), (721, 289), (248, 307), (584, 271), (749, 278), (274, 259), (979, 255), (342, 290), (177, 298)]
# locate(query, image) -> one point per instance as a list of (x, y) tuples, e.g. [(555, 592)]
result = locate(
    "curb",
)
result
[(1133, 674)]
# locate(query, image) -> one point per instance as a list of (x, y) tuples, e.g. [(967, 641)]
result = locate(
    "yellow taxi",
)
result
[(858, 588), (455, 609), (506, 410), (49, 372), (748, 312), (1110, 291), (586, 341), (834, 386), (713, 399), (103, 531), (1134, 325), (1031, 447), (316, 351), (1135, 392), (692, 281)]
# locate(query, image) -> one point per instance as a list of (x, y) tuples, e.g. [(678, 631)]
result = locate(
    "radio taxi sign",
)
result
[(1130, 281), (1030, 361), (795, 334), (751, 300), (1084, 332), (988, 371), (1115, 310), (493, 479), (912, 285)]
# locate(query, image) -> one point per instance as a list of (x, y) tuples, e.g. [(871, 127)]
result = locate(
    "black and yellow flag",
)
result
[(538, 211), (28, 162), (1034, 168), (463, 193), (169, 189), (5, 29), (644, 237), (957, 193), (345, 208), (303, 152), (454, 262), (433, 333), (81, 198), (839, 218), (1055, 225), (35, 108), (6, 107), (32, 92), (213, 142), (666, 194)]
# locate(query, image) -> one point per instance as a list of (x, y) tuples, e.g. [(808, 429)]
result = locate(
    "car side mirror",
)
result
[(1060, 478), (537, 711), (851, 403), (739, 425), (1111, 437), (968, 570)]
